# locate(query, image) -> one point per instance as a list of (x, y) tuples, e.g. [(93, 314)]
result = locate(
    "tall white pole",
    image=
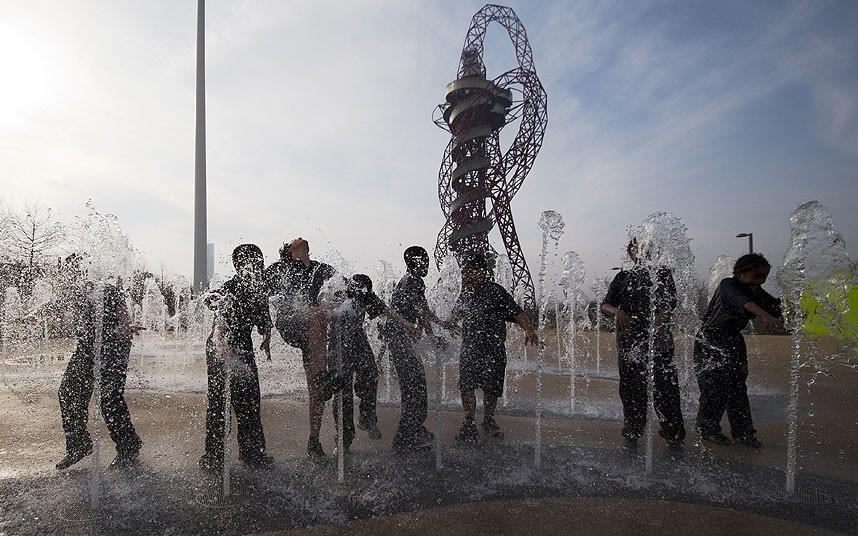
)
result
[(200, 238)]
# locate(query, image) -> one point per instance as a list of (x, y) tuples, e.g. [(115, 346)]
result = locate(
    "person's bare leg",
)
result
[(317, 327), (490, 403), (469, 404)]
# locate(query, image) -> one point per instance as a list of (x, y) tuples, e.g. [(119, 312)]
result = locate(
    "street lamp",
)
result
[(750, 240)]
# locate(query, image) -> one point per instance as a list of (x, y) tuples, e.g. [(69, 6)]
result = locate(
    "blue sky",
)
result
[(729, 115)]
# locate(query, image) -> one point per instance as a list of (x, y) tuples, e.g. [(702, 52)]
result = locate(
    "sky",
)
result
[(728, 115)]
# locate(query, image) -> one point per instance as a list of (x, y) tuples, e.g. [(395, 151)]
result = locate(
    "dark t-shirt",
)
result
[(726, 311), (112, 300), (296, 287), (355, 343), (409, 297), (240, 308), (632, 291), (484, 315)]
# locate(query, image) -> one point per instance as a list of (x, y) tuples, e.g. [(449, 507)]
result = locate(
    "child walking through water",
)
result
[(720, 355)]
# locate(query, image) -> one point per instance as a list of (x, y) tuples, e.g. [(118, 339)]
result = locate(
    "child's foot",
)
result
[(314, 449), (210, 464), (630, 444), (468, 433), (371, 429), (490, 427), (74, 456), (750, 441), (718, 438)]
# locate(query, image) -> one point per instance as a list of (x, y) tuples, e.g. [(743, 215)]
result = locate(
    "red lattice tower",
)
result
[(477, 180)]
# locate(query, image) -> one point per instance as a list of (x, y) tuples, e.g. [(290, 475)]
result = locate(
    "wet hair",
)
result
[(748, 262), (245, 252), (632, 248), (412, 254), (475, 260), (362, 281), (284, 251)]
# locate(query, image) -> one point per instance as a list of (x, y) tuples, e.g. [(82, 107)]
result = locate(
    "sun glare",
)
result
[(34, 67)]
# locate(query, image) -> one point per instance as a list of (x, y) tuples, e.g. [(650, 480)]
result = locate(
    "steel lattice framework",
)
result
[(477, 180)]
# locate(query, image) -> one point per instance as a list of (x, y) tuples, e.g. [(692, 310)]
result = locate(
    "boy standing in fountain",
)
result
[(720, 355), (484, 308), (409, 301), (354, 358), (78, 380), (241, 303), (642, 309), (295, 282)]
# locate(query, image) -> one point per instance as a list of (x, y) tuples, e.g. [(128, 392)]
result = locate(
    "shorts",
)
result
[(482, 373)]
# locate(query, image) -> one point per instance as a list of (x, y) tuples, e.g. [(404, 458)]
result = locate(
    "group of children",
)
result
[(330, 333), (337, 357), (642, 301)]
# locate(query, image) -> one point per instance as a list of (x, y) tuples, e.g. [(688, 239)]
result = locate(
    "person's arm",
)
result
[(266, 342), (529, 335), (624, 321), (413, 329), (774, 325)]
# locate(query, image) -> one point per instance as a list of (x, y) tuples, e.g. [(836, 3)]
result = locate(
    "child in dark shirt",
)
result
[(720, 355), (294, 282), (79, 378), (643, 309), (484, 308), (350, 353), (241, 303)]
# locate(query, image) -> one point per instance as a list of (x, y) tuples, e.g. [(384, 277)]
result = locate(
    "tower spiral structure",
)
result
[(477, 180)]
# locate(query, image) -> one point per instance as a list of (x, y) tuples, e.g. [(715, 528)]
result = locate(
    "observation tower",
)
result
[(478, 179)]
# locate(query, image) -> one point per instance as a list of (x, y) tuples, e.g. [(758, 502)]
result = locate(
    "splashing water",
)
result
[(552, 226), (600, 289), (574, 304), (818, 282), (663, 243)]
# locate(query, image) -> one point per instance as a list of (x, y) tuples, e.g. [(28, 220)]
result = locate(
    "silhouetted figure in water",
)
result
[(240, 304), (409, 301), (113, 336), (643, 309), (484, 308), (720, 355), (294, 283)]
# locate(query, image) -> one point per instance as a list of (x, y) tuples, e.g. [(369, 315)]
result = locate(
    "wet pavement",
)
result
[(584, 483)]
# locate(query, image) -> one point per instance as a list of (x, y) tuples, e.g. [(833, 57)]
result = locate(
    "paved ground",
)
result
[(584, 482)]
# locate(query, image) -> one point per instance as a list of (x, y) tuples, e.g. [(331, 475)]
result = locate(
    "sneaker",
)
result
[(124, 460), (127, 454), (371, 429), (314, 449), (675, 445), (424, 435), (718, 438), (210, 463), (257, 461), (490, 427), (411, 445), (468, 433), (74, 456), (750, 441), (630, 444)]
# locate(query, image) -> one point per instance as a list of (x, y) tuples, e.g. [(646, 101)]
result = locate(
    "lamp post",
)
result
[(750, 240)]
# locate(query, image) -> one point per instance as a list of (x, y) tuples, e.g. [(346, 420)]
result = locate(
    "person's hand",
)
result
[(211, 298), (530, 337), (266, 344), (624, 321), (774, 326)]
